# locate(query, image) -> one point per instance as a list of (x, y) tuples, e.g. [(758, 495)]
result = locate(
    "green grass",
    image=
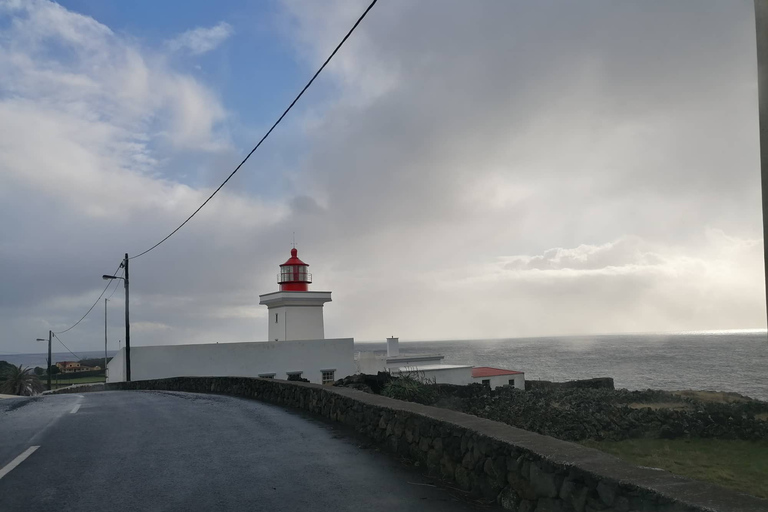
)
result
[(738, 465), (60, 383)]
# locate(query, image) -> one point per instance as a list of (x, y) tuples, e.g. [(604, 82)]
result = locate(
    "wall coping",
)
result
[(600, 465)]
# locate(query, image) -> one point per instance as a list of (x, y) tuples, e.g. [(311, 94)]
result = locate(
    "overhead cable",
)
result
[(117, 283), (66, 347), (93, 306), (266, 134)]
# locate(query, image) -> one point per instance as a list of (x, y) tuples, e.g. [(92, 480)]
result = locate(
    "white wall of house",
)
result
[(440, 374), (251, 359), (503, 380)]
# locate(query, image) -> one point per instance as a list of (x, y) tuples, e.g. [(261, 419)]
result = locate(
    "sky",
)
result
[(461, 170)]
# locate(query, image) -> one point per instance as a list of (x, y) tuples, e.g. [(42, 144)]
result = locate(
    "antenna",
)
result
[(294, 240)]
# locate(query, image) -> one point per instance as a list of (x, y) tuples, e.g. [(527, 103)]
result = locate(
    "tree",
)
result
[(21, 381), (53, 370), (5, 366), (39, 371)]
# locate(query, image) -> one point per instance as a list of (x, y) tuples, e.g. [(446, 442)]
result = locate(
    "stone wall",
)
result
[(521, 470)]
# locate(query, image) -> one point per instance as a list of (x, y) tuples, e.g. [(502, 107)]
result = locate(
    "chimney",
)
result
[(393, 349)]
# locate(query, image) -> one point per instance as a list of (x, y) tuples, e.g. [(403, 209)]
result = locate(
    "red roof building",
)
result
[(486, 371)]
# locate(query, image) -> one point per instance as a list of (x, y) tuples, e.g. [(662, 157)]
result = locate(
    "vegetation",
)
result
[(5, 367), (20, 381), (736, 464), (410, 389)]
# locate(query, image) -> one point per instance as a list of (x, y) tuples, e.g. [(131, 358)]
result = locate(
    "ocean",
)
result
[(735, 361)]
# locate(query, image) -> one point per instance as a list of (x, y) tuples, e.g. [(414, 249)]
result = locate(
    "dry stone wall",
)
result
[(523, 471)]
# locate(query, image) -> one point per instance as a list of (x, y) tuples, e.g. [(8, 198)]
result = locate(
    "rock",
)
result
[(462, 478), (549, 505), (607, 493), (508, 499), (545, 484)]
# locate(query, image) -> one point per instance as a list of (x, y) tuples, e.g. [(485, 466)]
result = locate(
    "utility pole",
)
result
[(761, 32), (127, 325), (50, 335), (105, 338)]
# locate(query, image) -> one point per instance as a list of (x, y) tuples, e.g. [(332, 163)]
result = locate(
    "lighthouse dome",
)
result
[(293, 275)]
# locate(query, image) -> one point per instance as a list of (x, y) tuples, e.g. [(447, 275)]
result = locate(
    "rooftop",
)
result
[(432, 367), (487, 371)]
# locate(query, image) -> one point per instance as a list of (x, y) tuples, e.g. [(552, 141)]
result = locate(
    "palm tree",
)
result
[(21, 381)]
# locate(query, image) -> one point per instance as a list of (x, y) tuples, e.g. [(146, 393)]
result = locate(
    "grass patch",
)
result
[(737, 465)]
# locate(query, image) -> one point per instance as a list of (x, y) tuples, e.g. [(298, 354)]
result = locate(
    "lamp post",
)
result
[(105, 338), (124, 265), (48, 370)]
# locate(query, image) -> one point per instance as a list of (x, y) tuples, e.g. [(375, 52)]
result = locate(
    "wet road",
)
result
[(163, 451)]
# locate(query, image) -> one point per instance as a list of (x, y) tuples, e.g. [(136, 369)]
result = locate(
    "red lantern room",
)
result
[(293, 275)]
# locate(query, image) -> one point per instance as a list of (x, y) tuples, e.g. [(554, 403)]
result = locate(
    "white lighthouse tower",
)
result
[(295, 313)]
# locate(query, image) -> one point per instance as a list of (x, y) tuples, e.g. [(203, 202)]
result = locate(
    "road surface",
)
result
[(164, 451)]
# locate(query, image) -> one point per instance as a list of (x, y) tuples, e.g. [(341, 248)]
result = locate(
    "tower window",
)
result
[(276, 317)]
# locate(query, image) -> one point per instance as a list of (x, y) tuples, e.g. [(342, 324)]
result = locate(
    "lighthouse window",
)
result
[(276, 317)]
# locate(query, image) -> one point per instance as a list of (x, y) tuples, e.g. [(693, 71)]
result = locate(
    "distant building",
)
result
[(69, 366), (430, 368)]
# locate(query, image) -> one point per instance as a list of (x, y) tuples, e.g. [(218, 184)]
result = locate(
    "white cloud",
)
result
[(521, 169), (201, 40)]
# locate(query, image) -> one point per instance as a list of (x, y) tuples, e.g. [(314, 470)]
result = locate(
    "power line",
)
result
[(117, 282), (91, 308), (66, 347), (360, 19)]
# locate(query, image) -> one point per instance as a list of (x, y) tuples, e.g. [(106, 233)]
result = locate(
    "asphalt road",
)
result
[(163, 451)]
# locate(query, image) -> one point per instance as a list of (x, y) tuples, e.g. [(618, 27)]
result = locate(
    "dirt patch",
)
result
[(763, 416)]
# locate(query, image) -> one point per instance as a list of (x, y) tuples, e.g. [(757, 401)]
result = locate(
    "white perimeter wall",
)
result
[(503, 380), (238, 360), (460, 376)]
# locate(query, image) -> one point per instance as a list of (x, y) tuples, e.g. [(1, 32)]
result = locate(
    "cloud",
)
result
[(200, 40), (522, 169)]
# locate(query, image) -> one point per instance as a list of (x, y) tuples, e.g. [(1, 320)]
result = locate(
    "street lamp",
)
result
[(48, 370), (127, 318)]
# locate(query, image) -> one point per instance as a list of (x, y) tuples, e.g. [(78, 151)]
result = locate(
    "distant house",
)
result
[(74, 367), (69, 366)]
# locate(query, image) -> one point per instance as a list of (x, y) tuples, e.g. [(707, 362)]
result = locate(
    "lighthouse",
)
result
[(295, 313)]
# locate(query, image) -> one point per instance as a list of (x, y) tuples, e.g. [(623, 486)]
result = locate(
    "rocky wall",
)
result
[(520, 470)]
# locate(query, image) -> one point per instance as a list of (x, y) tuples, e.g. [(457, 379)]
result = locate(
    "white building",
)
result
[(430, 368), (297, 347)]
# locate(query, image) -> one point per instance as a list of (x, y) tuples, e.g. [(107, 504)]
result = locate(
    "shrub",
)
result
[(410, 389)]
